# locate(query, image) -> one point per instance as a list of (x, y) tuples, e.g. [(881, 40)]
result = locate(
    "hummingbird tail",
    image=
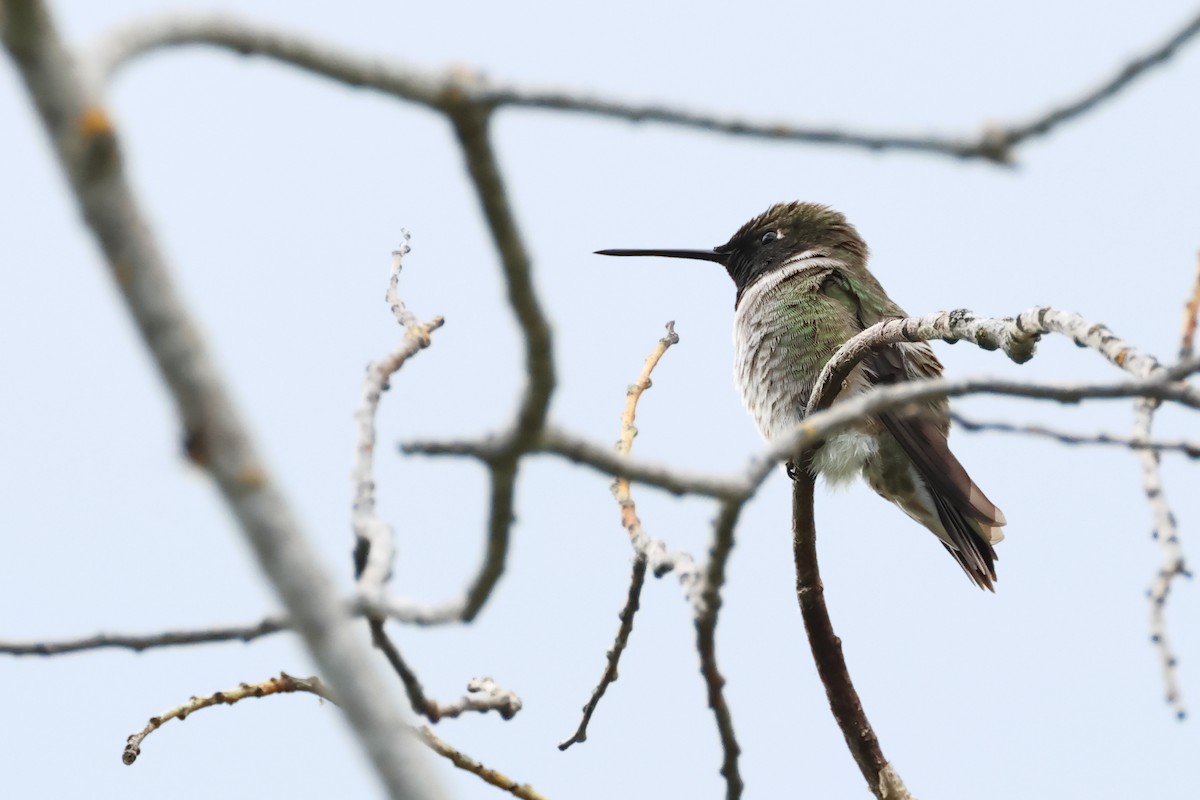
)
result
[(967, 523)]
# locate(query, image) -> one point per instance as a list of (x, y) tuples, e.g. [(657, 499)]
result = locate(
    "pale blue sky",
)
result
[(277, 198)]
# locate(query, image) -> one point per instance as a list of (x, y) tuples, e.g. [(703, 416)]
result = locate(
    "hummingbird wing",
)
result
[(955, 508)]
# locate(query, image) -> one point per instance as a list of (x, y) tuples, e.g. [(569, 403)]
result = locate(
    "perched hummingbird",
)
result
[(803, 289)]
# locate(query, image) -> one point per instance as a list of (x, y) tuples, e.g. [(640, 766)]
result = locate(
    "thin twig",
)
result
[(374, 548), (283, 684), (465, 762), (643, 545), (713, 578), (636, 581), (1187, 448), (217, 439), (483, 693), (287, 684), (138, 643), (1009, 137), (1191, 312), (1166, 530), (1166, 533), (442, 90), (558, 442)]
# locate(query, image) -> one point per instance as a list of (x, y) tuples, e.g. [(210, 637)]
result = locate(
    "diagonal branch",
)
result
[(647, 551), (1007, 138), (486, 774), (88, 151)]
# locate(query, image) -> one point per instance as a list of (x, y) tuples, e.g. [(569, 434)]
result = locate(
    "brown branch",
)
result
[(636, 581), (709, 597), (1191, 311), (827, 648), (288, 684), (603, 459), (490, 776), (471, 125), (446, 89), (283, 684), (483, 693), (138, 643), (642, 544)]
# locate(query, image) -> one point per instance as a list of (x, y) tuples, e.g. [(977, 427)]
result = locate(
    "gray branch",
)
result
[(88, 151), (441, 90), (1184, 446)]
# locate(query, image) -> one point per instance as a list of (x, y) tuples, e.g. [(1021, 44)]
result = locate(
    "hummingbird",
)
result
[(803, 290)]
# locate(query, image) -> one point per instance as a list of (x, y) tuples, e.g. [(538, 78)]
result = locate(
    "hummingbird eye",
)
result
[(768, 237)]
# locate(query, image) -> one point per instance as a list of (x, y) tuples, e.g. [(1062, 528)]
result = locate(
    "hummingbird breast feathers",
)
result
[(784, 330)]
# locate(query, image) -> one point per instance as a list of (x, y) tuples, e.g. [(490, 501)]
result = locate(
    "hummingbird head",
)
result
[(780, 236)]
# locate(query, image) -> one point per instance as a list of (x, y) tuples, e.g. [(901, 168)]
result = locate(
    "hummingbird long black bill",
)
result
[(698, 255)]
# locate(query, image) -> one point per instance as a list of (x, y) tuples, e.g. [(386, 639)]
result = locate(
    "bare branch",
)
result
[(445, 89), (1007, 138), (217, 439), (821, 425), (1166, 531), (1189, 449), (827, 647), (471, 125), (138, 643), (661, 559), (709, 594), (484, 694), (1191, 311), (555, 441), (283, 684), (636, 581), (374, 548), (1016, 336), (464, 762), (245, 37), (646, 549), (488, 696)]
